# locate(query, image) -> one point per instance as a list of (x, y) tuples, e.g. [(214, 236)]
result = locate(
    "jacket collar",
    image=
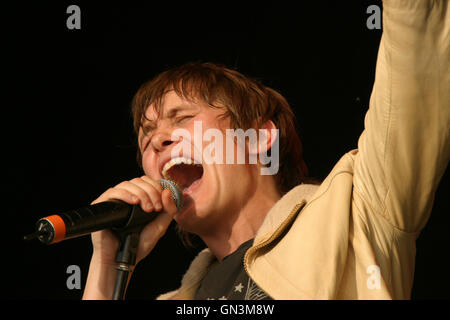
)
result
[(289, 204), (276, 220)]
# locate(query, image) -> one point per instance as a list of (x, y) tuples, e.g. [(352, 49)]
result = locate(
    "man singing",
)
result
[(270, 232)]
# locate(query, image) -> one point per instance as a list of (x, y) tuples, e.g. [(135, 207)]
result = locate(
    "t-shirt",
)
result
[(228, 280)]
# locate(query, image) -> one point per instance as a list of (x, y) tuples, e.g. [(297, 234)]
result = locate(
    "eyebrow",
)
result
[(150, 125), (169, 114)]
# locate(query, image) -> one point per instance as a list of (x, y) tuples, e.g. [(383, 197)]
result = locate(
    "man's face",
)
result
[(211, 190)]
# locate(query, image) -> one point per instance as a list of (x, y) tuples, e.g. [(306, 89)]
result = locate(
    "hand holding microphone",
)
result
[(118, 209), (128, 207), (139, 212), (151, 197)]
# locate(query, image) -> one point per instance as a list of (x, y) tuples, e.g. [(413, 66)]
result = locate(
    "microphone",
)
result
[(115, 215)]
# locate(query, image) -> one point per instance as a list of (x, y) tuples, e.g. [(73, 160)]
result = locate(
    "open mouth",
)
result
[(183, 171)]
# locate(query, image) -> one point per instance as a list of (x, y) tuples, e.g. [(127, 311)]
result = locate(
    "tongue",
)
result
[(185, 174)]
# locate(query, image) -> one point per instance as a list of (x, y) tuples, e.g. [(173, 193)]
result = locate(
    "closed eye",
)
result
[(183, 118)]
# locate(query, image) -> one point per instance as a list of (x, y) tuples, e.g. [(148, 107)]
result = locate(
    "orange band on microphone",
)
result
[(59, 226)]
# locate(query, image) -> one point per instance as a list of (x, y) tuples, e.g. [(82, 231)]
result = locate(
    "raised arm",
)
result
[(405, 147)]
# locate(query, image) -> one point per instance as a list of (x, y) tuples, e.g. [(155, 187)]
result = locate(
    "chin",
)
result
[(194, 216)]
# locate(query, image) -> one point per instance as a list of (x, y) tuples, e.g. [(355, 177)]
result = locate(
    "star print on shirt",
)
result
[(239, 287), (229, 280)]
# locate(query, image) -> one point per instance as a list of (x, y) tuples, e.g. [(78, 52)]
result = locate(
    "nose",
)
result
[(162, 140)]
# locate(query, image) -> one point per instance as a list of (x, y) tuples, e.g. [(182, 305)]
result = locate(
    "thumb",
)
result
[(169, 204), (154, 230)]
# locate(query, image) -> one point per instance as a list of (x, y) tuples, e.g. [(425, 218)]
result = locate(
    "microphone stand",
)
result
[(129, 241), (126, 259)]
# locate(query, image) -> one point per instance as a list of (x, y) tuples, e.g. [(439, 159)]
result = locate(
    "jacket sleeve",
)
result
[(405, 146)]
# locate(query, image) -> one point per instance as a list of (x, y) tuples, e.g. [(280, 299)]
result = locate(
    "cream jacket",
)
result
[(353, 237)]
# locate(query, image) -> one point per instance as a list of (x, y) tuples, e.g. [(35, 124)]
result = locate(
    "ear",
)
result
[(267, 135)]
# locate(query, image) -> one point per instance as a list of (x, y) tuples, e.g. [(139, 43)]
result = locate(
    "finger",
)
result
[(153, 190), (168, 202), (163, 219), (152, 232), (117, 194), (154, 183), (144, 199)]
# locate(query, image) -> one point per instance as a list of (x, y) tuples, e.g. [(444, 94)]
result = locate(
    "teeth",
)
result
[(173, 162)]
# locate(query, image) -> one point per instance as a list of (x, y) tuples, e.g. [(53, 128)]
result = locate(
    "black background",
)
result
[(68, 131)]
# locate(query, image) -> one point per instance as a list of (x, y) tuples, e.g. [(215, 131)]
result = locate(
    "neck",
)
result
[(241, 225)]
